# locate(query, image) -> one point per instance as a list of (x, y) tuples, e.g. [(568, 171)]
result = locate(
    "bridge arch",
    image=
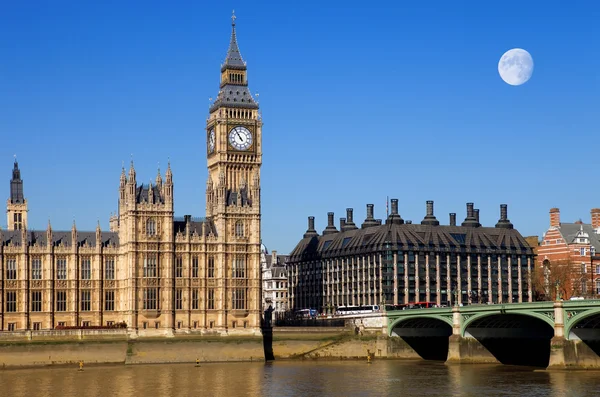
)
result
[(399, 320), (576, 319), (466, 323)]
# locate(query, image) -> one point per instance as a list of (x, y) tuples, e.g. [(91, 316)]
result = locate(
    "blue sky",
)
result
[(360, 101)]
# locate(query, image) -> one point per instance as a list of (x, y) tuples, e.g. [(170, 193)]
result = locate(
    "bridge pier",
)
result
[(466, 349)]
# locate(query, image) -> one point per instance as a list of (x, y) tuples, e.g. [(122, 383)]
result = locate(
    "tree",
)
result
[(557, 277)]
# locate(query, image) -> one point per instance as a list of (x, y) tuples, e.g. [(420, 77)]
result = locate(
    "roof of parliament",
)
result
[(396, 234)]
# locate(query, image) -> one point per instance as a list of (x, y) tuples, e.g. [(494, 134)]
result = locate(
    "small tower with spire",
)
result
[(16, 205)]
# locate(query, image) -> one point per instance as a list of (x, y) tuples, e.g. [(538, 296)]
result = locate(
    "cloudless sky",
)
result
[(360, 101)]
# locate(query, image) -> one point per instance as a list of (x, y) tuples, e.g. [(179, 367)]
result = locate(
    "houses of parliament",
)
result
[(152, 272)]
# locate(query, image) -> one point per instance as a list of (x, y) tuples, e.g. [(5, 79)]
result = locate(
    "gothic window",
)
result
[(211, 267), (239, 229), (86, 268), (239, 298), (194, 266), (195, 299), (150, 266), (61, 269), (151, 227), (109, 269), (239, 267), (36, 269), (11, 301), (11, 269), (61, 301), (179, 267), (36, 301), (86, 300), (178, 299), (211, 299), (150, 298), (109, 300)]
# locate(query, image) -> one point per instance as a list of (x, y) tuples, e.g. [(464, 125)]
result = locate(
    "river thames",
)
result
[(298, 378)]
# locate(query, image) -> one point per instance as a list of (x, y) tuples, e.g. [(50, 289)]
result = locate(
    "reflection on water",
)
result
[(292, 378)]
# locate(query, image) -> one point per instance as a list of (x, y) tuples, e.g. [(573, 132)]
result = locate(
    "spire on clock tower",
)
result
[(234, 92)]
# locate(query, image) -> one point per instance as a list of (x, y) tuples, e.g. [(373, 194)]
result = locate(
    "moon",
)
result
[(516, 66)]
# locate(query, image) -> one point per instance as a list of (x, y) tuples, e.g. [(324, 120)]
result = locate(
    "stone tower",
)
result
[(234, 156), (16, 205), (145, 229)]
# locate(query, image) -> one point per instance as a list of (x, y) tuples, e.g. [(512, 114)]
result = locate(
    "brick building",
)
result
[(575, 245)]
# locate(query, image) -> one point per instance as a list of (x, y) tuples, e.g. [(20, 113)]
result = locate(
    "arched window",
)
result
[(151, 227), (239, 229)]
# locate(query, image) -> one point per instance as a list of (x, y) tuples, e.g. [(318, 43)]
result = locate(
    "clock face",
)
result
[(211, 141), (240, 138)]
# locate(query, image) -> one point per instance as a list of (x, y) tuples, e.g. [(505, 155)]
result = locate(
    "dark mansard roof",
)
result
[(8, 237), (399, 235), (144, 193), (179, 225), (411, 237)]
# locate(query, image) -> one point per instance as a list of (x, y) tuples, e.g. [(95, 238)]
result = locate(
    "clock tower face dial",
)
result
[(240, 138), (211, 141)]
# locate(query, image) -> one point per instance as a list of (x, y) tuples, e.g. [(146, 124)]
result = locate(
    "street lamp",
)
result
[(557, 290)]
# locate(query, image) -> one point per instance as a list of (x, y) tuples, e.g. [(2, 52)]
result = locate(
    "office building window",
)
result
[(86, 268), (150, 266), (150, 298), (11, 269), (179, 267), (86, 300), (109, 269), (36, 269), (11, 301), (194, 266), (109, 300), (61, 301), (36, 301), (61, 269)]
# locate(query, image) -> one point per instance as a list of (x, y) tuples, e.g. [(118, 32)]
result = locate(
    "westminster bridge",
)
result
[(558, 334)]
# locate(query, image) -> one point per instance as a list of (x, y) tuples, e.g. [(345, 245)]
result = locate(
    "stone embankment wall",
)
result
[(43, 348)]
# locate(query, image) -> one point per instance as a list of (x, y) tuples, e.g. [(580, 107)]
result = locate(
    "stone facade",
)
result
[(400, 262), (274, 281), (154, 272)]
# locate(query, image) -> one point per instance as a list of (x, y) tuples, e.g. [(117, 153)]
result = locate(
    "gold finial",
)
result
[(233, 18)]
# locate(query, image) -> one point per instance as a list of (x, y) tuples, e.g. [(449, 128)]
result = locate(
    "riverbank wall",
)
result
[(69, 347)]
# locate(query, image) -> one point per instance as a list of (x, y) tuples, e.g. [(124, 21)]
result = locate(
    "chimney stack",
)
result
[(504, 222), (453, 219), (470, 220), (595, 218), (349, 222), (273, 258), (370, 221), (394, 218), (476, 211), (342, 224), (430, 218), (330, 226), (554, 217), (311, 232)]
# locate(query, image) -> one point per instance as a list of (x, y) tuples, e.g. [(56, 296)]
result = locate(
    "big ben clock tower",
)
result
[(234, 154)]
